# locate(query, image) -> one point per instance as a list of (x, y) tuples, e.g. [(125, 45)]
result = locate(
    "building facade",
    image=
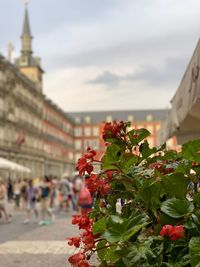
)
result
[(21, 111), (89, 126), (58, 130)]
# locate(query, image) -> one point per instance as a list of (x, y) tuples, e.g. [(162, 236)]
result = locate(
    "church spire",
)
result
[(26, 39), (26, 28), (27, 63)]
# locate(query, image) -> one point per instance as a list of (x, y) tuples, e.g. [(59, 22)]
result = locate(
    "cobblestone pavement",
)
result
[(36, 246)]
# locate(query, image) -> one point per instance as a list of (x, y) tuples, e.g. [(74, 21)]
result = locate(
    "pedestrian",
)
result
[(45, 189), (9, 189), (65, 191), (31, 201), (77, 185), (23, 194), (85, 199), (3, 211), (17, 184)]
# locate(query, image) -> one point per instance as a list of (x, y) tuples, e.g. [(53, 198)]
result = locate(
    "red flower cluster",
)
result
[(79, 260), (97, 184), (174, 232), (112, 129), (109, 174), (87, 240), (84, 163), (74, 241), (82, 221), (156, 165)]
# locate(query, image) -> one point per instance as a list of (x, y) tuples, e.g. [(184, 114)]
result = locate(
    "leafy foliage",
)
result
[(158, 223)]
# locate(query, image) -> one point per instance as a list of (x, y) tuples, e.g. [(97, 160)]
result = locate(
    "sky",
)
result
[(107, 54)]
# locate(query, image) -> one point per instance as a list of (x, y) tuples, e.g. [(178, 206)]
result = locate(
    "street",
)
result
[(31, 245)]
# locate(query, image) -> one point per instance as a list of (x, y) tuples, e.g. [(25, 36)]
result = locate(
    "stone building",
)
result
[(34, 132), (58, 130), (21, 111)]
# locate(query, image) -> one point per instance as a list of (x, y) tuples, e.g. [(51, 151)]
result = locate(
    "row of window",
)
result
[(58, 151), (87, 131), (57, 134), (25, 116), (57, 120), (109, 118), (28, 96), (83, 145)]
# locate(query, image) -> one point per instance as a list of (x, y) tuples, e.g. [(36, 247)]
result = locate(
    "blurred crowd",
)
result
[(40, 199)]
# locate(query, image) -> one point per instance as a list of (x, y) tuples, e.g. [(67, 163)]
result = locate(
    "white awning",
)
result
[(183, 120), (6, 164)]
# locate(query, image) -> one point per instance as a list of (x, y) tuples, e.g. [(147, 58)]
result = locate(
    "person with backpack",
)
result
[(85, 199)]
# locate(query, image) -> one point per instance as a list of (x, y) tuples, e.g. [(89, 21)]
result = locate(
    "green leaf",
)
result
[(126, 161), (121, 229), (141, 135), (191, 150), (111, 255), (175, 184), (194, 250), (150, 193), (176, 208), (146, 150), (165, 219), (148, 253), (111, 157), (99, 226), (184, 166), (171, 155), (101, 250), (196, 198)]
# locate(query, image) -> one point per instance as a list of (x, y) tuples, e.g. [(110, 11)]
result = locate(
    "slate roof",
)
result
[(100, 116)]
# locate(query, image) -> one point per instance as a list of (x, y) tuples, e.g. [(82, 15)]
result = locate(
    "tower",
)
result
[(27, 63)]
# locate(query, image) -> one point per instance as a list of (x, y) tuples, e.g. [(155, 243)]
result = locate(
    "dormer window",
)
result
[(87, 119), (149, 117), (109, 118), (130, 118)]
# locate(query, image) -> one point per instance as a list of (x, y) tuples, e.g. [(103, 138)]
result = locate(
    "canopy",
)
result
[(183, 120), (10, 165)]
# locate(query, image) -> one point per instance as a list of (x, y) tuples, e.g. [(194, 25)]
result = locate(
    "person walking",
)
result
[(17, 194), (3, 211), (45, 189), (31, 201)]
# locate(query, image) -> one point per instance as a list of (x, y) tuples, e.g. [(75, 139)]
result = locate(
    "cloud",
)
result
[(149, 74), (107, 78)]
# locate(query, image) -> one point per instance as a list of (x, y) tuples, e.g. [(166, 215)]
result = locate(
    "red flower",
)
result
[(135, 135), (174, 232), (111, 130), (90, 153), (166, 230), (156, 165), (74, 241), (76, 258), (96, 184), (75, 219), (84, 166)]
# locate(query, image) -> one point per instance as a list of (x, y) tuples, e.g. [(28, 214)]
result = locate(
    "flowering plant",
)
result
[(146, 203)]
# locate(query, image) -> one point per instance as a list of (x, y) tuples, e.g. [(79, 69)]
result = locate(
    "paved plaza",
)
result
[(31, 245)]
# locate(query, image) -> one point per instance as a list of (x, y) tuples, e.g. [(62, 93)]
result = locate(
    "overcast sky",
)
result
[(107, 54)]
